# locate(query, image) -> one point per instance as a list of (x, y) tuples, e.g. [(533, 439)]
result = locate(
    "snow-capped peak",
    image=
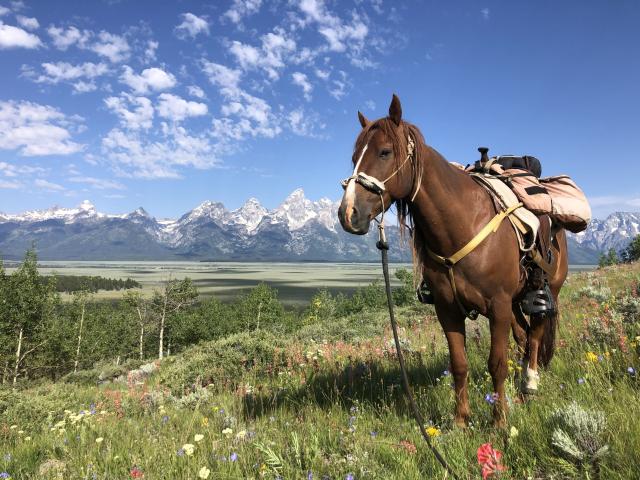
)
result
[(250, 214)]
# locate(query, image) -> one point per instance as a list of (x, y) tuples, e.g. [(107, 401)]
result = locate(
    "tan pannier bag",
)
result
[(527, 188), (570, 207)]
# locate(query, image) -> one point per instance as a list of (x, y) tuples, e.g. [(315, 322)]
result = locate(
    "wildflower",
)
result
[(165, 419), (489, 460), (27, 439), (135, 472), (433, 432), (309, 475), (408, 446), (180, 452), (5, 475), (349, 476), (513, 432), (99, 440), (580, 381), (7, 457), (198, 437), (13, 427), (241, 435), (205, 422), (445, 373), (591, 357), (188, 449), (233, 457), (227, 431), (631, 371), (491, 398), (204, 473), (373, 434)]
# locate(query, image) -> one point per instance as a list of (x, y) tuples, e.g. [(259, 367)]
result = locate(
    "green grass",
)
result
[(327, 400)]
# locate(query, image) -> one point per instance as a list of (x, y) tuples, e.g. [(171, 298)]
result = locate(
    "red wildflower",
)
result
[(135, 472), (489, 460), (408, 446)]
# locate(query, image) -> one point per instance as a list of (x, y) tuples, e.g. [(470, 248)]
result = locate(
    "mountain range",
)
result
[(297, 230)]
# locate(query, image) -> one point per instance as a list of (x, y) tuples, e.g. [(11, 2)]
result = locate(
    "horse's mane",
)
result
[(398, 138)]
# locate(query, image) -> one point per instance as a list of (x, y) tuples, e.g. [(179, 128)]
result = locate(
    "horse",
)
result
[(446, 208)]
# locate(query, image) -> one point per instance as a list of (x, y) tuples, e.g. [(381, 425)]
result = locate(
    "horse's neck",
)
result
[(448, 205)]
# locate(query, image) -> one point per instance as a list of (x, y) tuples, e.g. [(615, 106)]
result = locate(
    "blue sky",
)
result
[(167, 104)]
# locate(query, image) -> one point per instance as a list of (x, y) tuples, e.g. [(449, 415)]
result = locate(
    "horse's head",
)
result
[(384, 161)]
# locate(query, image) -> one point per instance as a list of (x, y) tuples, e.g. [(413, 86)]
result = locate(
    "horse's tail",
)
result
[(548, 345)]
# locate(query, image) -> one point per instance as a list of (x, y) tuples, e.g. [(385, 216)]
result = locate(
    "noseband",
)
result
[(372, 184)]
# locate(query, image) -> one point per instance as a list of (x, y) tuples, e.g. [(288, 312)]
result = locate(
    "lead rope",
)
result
[(383, 246)]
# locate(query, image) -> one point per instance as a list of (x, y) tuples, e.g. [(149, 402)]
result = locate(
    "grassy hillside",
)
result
[(326, 402)]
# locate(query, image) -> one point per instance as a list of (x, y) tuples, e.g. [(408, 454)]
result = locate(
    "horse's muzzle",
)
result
[(353, 220)]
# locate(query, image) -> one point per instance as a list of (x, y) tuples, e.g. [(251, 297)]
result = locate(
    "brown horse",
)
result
[(447, 208)]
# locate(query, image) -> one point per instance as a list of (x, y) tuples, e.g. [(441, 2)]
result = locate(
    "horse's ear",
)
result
[(363, 120), (395, 110)]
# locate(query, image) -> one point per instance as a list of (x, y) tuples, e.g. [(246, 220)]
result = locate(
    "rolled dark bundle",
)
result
[(526, 162)]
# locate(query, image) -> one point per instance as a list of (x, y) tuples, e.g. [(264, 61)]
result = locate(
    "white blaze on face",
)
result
[(350, 193)]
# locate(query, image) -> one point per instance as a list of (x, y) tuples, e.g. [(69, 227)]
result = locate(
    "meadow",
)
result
[(323, 400)]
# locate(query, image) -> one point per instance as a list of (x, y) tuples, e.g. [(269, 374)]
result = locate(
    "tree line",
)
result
[(43, 337), (627, 255), (77, 283)]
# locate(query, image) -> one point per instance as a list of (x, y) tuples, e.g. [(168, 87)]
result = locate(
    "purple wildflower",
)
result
[(631, 370), (373, 434), (445, 373), (180, 452), (349, 476), (233, 457), (580, 381), (490, 398), (4, 475), (309, 475), (92, 409), (165, 418)]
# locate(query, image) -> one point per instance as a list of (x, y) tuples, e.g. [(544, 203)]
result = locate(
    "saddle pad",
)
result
[(524, 222)]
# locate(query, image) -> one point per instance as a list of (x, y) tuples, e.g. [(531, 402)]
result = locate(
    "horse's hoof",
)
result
[(530, 382)]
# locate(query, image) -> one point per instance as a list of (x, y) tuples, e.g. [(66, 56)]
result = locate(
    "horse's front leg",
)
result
[(452, 322), (500, 322)]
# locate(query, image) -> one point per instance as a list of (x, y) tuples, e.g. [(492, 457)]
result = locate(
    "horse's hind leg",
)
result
[(519, 329), (500, 322), (454, 329)]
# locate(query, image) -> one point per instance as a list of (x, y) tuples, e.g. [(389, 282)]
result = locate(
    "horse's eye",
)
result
[(385, 153)]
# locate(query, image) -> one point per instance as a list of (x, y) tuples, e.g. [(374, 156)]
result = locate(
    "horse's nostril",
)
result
[(354, 215)]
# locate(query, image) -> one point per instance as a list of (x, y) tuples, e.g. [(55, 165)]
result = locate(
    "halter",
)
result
[(375, 186)]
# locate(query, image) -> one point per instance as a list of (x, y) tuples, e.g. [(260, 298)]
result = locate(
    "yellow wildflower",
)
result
[(205, 422), (433, 432), (99, 440), (227, 431), (204, 473), (27, 439), (513, 432), (241, 434), (591, 357), (198, 437), (188, 449)]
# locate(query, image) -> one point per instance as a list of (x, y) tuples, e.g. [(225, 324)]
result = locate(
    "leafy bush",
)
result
[(578, 434), (598, 293), (220, 362)]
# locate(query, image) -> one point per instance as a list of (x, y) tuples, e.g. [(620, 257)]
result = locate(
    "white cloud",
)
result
[(196, 91), (29, 23), (4, 11), (242, 8), (10, 184), (302, 81), (14, 37), (151, 79), (134, 156), (98, 183), (35, 129), (135, 112), (79, 76), (150, 51), (191, 26), (485, 12), (340, 85), (177, 109), (304, 123), (63, 39), (322, 74), (49, 186), (12, 170), (114, 47), (276, 47), (227, 79), (370, 104)]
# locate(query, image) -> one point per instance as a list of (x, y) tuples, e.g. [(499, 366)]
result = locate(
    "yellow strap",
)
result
[(489, 228)]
